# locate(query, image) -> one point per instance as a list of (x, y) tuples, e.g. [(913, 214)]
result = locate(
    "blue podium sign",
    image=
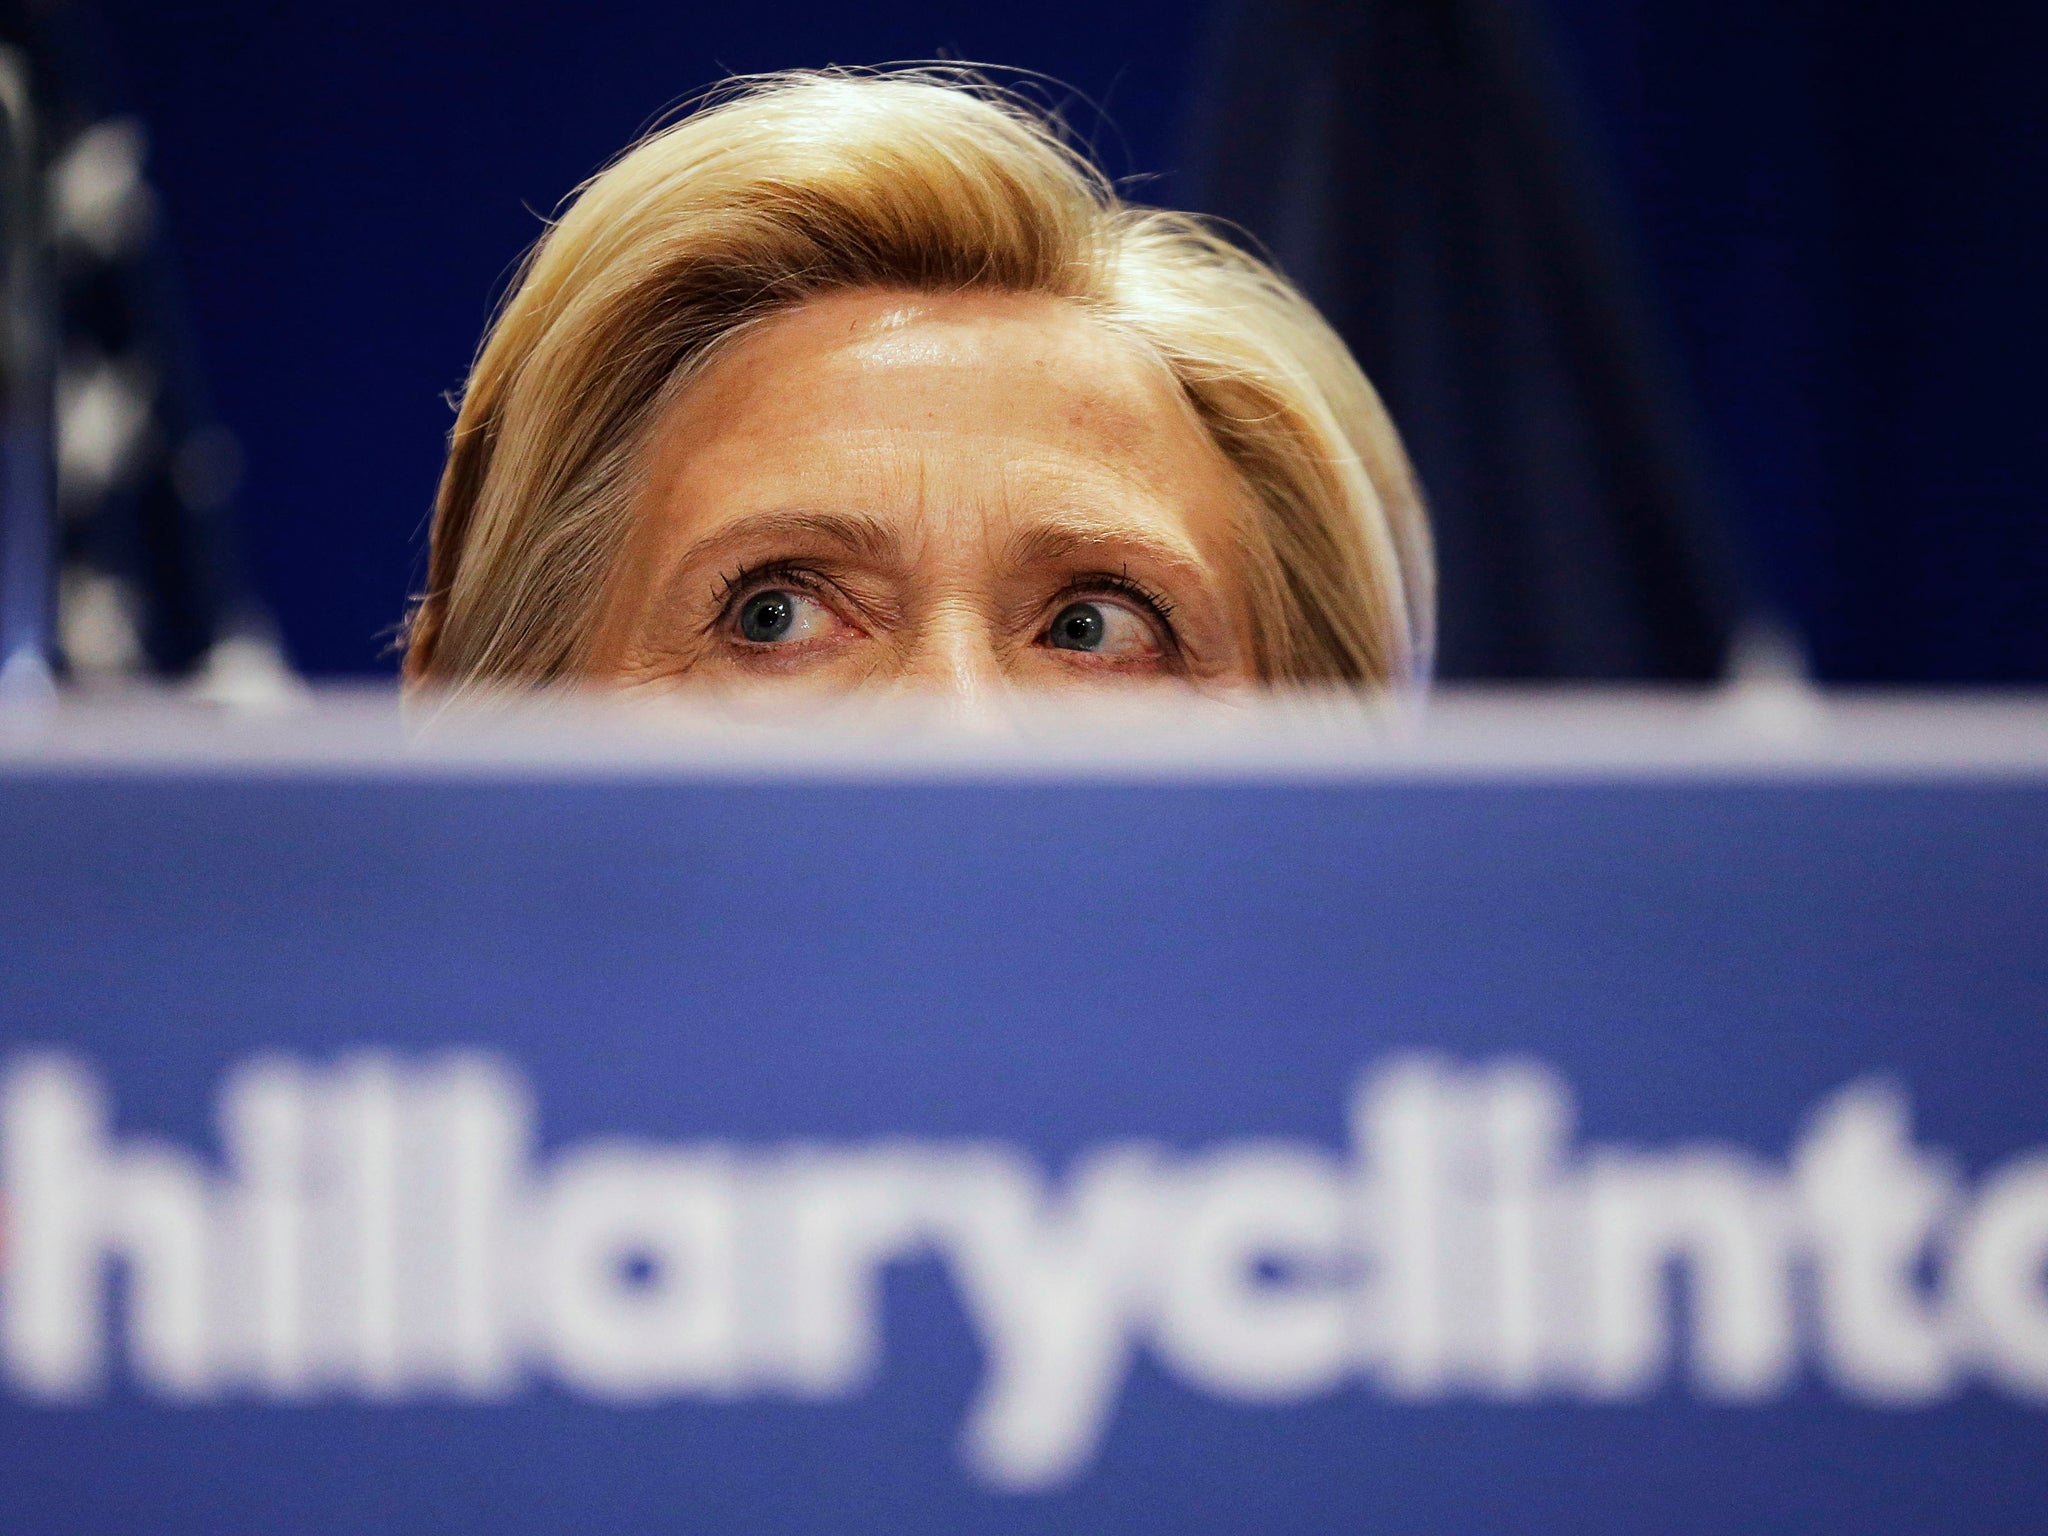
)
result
[(1471, 1142)]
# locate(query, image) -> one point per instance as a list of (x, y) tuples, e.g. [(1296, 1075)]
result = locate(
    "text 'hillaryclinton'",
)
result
[(384, 1229)]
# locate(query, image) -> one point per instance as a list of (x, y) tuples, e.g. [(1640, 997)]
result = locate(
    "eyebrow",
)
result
[(1062, 540), (866, 538)]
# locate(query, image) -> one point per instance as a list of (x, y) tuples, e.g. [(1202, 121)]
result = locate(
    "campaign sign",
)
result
[(1571, 1153)]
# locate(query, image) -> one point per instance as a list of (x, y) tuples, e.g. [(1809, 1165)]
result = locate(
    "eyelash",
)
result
[(743, 583), (1121, 584)]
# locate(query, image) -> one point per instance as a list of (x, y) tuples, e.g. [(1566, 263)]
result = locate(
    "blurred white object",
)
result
[(1769, 688), (98, 625), (247, 671), (97, 192)]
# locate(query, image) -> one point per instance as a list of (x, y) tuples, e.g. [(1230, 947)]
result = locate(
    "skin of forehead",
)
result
[(859, 387)]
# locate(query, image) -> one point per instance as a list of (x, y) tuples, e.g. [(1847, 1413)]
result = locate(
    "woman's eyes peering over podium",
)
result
[(957, 493)]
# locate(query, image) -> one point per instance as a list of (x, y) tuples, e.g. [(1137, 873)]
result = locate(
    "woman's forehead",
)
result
[(990, 364), (896, 403)]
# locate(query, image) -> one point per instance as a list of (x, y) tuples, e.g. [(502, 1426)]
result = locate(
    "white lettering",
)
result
[(1225, 1326), (640, 1271), (1873, 1206), (1055, 1287), (376, 1227), (1719, 1217), (73, 1204), (2001, 1270)]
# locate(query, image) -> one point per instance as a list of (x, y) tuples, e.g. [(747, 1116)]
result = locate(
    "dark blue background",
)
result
[(1845, 208), (1058, 966)]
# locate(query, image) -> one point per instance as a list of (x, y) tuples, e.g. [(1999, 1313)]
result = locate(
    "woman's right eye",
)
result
[(781, 616)]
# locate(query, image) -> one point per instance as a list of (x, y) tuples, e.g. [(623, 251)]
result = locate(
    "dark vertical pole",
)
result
[(27, 405)]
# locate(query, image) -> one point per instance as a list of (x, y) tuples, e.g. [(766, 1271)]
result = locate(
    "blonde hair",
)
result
[(781, 188)]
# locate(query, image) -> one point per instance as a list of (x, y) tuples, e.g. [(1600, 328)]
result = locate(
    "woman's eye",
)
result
[(779, 616), (1101, 629)]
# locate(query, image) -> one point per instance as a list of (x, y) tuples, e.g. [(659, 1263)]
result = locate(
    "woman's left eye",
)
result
[(1102, 628), (778, 616)]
